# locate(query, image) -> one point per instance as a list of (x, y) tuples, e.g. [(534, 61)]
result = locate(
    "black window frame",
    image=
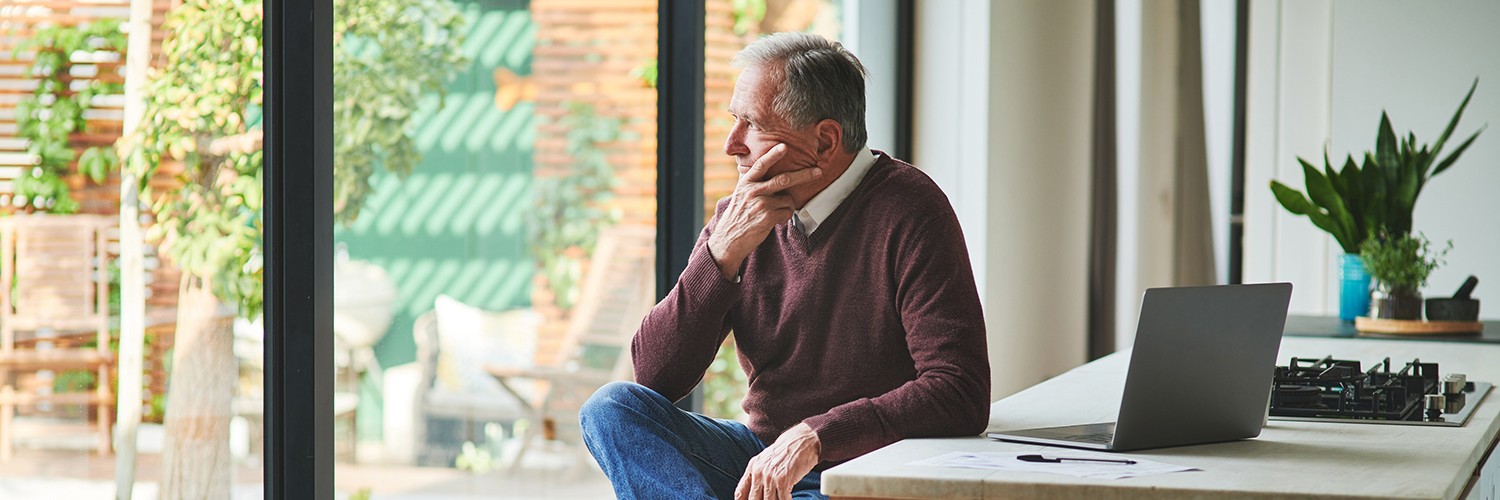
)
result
[(298, 41)]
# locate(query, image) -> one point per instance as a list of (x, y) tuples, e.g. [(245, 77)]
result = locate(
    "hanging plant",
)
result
[(54, 111)]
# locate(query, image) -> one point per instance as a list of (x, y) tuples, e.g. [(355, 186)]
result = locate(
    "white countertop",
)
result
[(1288, 460)]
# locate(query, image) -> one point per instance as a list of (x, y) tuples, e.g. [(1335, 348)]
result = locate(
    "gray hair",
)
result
[(822, 80)]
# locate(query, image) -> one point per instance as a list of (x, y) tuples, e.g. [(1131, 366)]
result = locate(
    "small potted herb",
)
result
[(1400, 265)]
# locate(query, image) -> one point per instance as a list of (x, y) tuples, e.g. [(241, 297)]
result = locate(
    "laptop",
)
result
[(1201, 371)]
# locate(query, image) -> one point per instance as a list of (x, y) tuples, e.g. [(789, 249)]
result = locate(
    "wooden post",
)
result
[(132, 267)]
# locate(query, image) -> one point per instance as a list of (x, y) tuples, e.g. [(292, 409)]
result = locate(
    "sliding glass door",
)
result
[(470, 205)]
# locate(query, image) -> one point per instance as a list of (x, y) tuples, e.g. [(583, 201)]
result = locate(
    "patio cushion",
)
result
[(470, 337)]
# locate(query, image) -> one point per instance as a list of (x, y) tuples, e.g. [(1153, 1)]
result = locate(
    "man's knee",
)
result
[(615, 398)]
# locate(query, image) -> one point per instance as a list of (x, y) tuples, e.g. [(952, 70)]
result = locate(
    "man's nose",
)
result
[(734, 144)]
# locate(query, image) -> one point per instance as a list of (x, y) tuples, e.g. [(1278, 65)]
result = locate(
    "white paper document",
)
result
[(1097, 470)]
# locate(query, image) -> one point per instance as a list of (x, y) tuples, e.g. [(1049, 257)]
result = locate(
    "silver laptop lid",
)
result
[(1201, 368)]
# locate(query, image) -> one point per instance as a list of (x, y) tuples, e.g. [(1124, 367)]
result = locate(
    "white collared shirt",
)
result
[(826, 201)]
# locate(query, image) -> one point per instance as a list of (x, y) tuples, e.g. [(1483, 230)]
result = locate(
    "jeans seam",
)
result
[(712, 466)]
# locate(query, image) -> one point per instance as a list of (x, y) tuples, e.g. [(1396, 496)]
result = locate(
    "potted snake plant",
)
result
[(1373, 199)]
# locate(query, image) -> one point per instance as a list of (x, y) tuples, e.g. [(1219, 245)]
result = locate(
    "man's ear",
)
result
[(830, 139)]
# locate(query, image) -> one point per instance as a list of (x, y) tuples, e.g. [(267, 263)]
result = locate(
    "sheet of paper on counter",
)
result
[(1006, 461)]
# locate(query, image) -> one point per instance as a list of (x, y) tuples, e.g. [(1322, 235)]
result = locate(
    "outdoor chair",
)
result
[(56, 294), (444, 408), (617, 293)]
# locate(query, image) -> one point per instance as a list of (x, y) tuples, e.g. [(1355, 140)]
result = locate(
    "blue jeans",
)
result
[(651, 449)]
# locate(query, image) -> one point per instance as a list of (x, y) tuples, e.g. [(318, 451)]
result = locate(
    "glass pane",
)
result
[(496, 197), (730, 26), (128, 354)]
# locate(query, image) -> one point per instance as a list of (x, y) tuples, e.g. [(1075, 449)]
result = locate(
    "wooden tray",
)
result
[(1416, 327)]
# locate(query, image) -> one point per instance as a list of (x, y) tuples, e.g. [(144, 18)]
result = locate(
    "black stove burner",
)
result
[(1300, 396), (1331, 388)]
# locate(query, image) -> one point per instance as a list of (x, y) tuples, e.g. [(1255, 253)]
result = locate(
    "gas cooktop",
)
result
[(1334, 390)]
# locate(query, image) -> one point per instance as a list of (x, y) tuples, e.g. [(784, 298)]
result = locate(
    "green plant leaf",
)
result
[(1351, 190), (1296, 203), (1374, 187), (1401, 261), (1292, 200), (1320, 190), (1437, 146), (1447, 162), (1385, 144)]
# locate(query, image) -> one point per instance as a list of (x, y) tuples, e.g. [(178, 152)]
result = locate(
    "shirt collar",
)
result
[(826, 201)]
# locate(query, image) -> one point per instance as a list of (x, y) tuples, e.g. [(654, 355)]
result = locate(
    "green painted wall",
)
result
[(455, 226)]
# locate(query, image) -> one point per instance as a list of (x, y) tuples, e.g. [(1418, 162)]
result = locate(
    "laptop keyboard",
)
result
[(1101, 438)]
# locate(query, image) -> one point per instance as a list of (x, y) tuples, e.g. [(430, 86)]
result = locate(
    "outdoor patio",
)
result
[(543, 288), (549, 473)]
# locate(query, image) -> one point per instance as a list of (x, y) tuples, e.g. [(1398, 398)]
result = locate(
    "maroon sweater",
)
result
[(869, 329)]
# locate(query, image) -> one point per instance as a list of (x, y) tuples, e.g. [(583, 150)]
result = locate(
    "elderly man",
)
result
[(843, 275)]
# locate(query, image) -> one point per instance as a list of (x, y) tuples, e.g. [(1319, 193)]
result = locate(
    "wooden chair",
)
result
[(432, 405), (54, 291), (618, 291)]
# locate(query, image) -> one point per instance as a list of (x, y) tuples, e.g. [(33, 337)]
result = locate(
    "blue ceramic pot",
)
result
[(1354, 287)]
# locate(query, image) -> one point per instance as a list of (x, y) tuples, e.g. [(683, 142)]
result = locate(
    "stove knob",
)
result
[(1435, 404), (1454, 384)]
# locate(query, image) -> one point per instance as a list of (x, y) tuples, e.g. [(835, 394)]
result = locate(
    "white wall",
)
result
[(1003, 96), (1319, 74)]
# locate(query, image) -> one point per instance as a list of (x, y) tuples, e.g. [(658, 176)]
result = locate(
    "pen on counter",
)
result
[(1053, 460)]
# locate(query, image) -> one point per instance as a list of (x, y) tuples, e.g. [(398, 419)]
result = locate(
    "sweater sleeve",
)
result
[(680, 336), (940, 312)]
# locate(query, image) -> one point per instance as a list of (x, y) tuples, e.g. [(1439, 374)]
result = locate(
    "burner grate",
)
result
[(1334, 388)]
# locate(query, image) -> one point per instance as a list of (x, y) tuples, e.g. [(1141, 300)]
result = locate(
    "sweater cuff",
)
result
[(847, 431), (703, 276)]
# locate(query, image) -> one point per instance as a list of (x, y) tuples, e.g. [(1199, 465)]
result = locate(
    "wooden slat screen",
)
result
[(19, 19)]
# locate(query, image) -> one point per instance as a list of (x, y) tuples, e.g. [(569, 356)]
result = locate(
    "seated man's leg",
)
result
[(809, 488), (652, 449)]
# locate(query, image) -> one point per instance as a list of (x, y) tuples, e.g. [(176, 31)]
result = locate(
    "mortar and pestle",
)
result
[(1458, 308)]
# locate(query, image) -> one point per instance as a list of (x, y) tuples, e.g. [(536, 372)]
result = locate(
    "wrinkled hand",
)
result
[(774, 472), (755, 207)]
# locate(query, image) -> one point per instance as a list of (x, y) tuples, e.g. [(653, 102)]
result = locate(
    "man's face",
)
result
[(757, 128)]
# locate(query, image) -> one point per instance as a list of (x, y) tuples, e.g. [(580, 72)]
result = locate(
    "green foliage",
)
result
[(747, 14), (210, 80), (54, 110), (1406, 167), (97, 163), (485, 457), (646, 72), (1358, 203), (569, 208), (388, 54), (1401, 262), (1336, 206), (724, 385), (474, 459), (72, 381)]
